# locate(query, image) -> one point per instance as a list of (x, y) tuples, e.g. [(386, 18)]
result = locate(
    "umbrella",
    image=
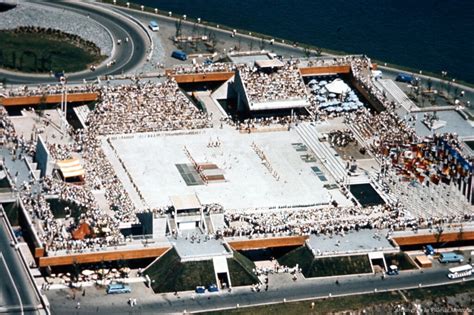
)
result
[(87, 272), (323, 105), (332, 95), (323, 83), (316, 87), (321, 98), (354, 106), (338, 87), (313, 81)]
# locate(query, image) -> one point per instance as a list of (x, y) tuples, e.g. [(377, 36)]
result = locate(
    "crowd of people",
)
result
[(328, 221), (203, 68), (48, 89), (151, 107), (264, 85), (155, 107), (8, 137), (308, 221), (341, 138)]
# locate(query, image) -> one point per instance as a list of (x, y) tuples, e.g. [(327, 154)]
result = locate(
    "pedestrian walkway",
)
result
[(214, 109), (397, 94)]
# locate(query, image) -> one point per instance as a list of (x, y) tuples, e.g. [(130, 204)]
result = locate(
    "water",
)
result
[(429, 35)]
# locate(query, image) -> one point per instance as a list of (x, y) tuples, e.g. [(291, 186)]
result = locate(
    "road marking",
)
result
[(13, 282)]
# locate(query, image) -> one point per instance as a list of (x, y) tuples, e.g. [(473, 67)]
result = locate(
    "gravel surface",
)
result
[(30, 14)]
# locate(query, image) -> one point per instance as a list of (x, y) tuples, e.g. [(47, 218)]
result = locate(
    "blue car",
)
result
[(405, 78), (178, 54), (200, 289), (429, 250), (213, 288)]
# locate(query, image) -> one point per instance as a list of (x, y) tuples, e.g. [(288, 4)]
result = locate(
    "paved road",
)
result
[(17, 293), (127, 55), (98, 302)]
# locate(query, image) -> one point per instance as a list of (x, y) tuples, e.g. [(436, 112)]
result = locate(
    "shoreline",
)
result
[(284, 42)]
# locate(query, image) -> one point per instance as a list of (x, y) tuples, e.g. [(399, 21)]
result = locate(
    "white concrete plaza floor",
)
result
[(151, 161)]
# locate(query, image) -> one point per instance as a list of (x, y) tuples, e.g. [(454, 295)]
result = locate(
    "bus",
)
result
[(450, 258), (115, 288), (460, 272), (154, 26)]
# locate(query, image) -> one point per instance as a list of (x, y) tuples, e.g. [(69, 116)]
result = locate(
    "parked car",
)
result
[(450, 258), (429, 250), (200, 289), (392, 270), (116, 288), (178, 54)]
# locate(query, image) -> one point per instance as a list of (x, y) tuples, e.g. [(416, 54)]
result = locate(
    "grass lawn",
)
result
[(335, 266), (11, 210), (240, 269), (301, 256), (327, 266), (41, 53), (170, 274)]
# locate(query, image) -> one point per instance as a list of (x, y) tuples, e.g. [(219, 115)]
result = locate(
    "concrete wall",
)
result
[(78, 258), (43, 158), (200, 77), (433, 239), (310, 71), (268, 242), (47, 99)]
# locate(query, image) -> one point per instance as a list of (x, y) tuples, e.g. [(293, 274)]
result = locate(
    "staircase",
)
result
[(323, 152)]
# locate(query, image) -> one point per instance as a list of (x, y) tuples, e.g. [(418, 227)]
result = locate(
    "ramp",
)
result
[(159, 227), (221, 268), (217, 221), (213, 108), (82, 112), (398, 95)]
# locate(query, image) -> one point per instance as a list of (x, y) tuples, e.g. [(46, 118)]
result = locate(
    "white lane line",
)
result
[(13, 282)]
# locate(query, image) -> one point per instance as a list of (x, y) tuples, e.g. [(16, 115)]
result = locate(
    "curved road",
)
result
[(127, 55), (17, 294)]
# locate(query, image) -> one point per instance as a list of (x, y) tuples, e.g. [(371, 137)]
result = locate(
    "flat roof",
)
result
[(280, 104), (185, 202), (269, 63)]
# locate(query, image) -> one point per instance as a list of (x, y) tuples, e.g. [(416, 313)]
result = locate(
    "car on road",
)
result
[(450, 258), (405, 78), (179, 54), (153, 25), (117, 288), (392, 270)]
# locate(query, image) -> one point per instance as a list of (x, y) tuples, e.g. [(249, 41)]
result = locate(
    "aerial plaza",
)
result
[(248, 173)]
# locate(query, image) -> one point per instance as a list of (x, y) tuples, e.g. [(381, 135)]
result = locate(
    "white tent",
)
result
[(338, 87)]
